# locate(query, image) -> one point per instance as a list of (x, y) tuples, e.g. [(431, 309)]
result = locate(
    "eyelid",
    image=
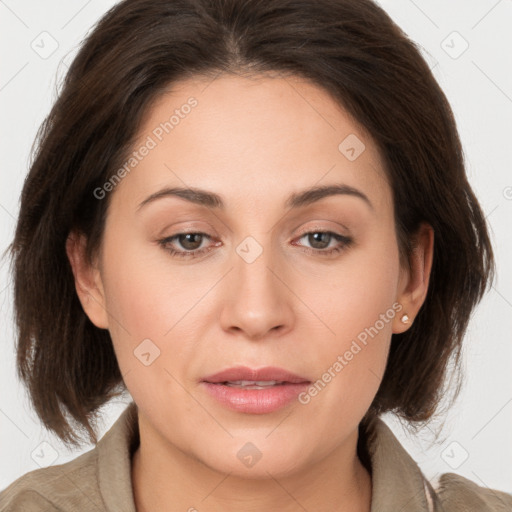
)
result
[(304, 230), (177, 228), (319, 228)]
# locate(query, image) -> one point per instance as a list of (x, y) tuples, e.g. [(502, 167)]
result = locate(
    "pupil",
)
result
[(317, 237), (185, 241)]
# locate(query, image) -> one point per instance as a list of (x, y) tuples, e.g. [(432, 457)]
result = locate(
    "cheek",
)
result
[(147, 299), (357, 306), (145, 289), (352, 295)]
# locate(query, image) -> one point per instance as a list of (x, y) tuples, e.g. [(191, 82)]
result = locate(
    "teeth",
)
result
[(254, 384)]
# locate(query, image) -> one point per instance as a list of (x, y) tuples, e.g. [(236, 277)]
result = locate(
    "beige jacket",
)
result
[(100, 479)]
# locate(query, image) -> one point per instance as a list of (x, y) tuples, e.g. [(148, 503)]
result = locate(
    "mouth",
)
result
[(244, 376), (250, 384), (255, 391)]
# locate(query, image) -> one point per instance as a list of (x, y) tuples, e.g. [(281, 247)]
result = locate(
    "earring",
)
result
[(405, 319)]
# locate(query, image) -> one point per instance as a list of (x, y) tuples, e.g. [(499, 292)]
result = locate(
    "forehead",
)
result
[(256, 138)]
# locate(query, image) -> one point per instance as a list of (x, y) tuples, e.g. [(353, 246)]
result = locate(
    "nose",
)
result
[(257, 299)]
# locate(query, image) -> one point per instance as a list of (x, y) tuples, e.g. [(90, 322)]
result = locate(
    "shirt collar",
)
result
[(115, 451), (397, 481)]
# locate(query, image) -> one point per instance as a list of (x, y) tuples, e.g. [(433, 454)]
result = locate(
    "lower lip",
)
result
[(255, 401)]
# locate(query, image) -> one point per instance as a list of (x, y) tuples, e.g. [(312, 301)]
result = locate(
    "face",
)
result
[(261, 275)]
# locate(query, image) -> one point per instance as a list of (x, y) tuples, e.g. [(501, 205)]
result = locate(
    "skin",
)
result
[(253, 141)]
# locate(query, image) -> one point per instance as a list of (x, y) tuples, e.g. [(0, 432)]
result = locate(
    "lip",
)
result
[(246, 373), (255, 401)]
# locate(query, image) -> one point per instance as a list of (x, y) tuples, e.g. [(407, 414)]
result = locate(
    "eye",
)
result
[(191, 242), (320, 241)]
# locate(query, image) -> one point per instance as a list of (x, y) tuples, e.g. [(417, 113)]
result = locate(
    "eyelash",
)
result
[(164, 242)]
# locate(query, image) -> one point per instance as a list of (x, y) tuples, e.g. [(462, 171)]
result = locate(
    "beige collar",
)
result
[(398, 483)]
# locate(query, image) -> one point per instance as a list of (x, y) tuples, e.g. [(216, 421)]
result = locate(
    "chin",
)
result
[(256, 459)]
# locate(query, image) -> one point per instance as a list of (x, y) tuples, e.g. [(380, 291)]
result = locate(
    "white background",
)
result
[(478, 84)]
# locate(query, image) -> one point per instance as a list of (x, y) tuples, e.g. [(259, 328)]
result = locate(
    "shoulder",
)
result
[(26, 500), (68, 486), (398, 482), (97, 480), (456, 492)]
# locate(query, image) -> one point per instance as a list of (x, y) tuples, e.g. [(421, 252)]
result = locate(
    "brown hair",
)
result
[(354, 51)]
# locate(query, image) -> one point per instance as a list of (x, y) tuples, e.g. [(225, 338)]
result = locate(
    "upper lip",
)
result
[(255, 374)]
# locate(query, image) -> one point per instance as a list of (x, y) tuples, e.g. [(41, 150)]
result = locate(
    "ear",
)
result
[(413, 285), (88, 284)]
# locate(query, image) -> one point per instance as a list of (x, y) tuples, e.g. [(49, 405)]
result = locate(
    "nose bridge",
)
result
[(253, 263), (258, 299)]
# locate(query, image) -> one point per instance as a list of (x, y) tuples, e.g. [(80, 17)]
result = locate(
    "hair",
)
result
[(137, 50)]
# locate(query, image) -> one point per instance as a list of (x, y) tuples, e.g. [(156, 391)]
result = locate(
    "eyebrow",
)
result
[(295, 200)]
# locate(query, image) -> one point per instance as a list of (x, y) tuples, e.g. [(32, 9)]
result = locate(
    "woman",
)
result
[(254, 216)]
